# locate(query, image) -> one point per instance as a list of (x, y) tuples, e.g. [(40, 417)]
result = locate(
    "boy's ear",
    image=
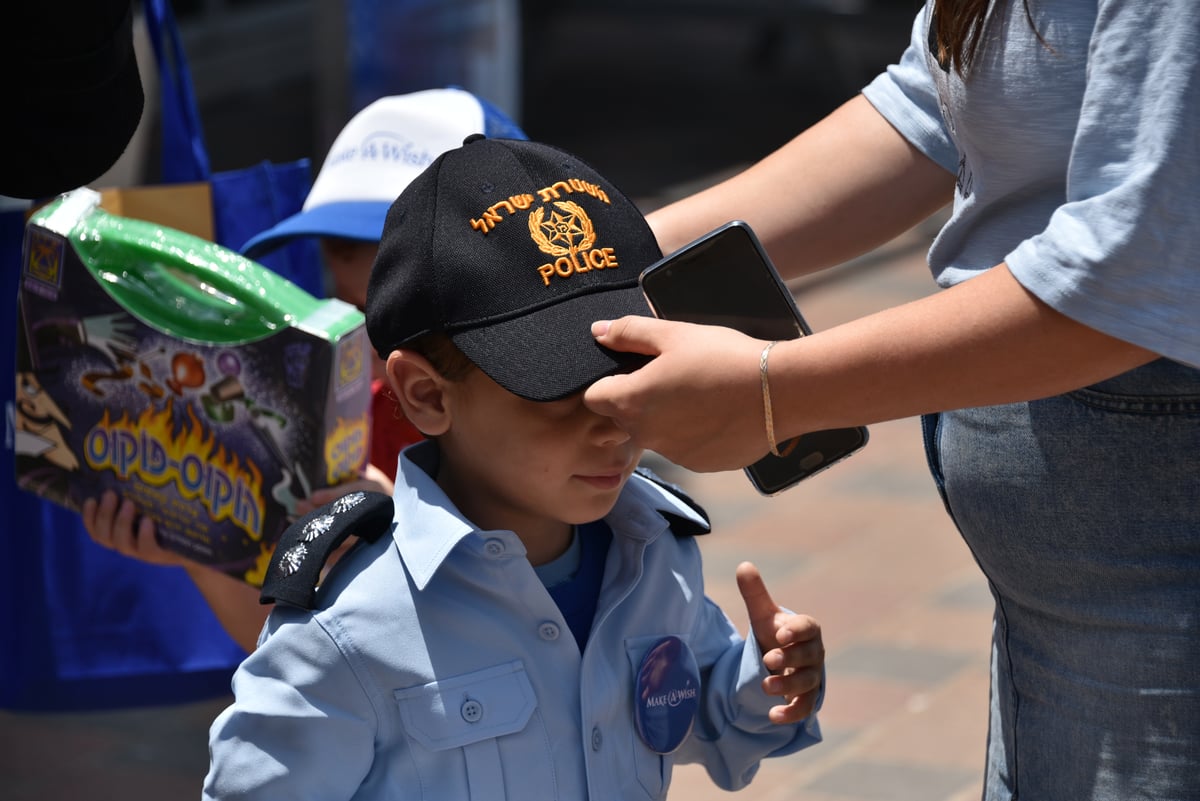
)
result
[(421, 391)]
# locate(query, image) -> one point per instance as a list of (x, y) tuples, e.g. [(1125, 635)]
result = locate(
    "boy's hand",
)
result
[(792, 648), (114, 523)]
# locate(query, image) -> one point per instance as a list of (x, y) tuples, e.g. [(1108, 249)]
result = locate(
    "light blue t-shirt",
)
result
[(1077, 160)]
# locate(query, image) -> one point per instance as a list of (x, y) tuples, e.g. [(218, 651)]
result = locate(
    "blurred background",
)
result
[(651, 92)]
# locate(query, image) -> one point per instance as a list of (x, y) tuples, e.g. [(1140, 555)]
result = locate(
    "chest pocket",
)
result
[(460, 720)]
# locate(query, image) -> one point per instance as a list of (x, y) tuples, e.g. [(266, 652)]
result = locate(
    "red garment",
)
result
[(390, 430)]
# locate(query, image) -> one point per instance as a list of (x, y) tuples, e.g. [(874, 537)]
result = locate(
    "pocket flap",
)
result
[(458, 711)]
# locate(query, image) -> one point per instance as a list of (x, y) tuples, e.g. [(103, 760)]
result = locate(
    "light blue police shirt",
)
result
[(436, 666)]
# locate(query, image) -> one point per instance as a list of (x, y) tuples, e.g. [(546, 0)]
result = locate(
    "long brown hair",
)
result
[(958, 27)]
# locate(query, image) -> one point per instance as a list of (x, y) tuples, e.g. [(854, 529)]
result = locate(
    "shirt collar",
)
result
[(429, 526)]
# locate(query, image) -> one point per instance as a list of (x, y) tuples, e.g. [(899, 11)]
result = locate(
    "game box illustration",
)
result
[(209, 390)]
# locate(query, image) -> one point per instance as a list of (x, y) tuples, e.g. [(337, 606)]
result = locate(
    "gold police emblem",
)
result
[(569, 236)]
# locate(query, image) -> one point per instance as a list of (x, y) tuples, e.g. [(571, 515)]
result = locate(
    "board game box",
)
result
[(212, 392)]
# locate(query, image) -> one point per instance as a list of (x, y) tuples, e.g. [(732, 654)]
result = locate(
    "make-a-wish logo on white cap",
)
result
[(384, 147)]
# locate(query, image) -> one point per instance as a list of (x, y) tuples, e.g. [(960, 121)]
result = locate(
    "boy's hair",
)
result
[(439, 350), (512, 249)]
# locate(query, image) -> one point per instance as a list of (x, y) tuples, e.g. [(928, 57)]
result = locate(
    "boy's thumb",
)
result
[(760, 606)]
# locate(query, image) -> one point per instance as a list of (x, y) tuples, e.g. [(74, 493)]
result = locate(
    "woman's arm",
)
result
[(841, 188), (983, 342)]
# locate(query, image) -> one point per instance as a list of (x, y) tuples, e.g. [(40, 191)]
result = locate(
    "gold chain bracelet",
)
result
[(766, 393)]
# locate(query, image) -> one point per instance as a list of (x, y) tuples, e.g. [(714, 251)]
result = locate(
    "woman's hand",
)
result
[(698, 403)]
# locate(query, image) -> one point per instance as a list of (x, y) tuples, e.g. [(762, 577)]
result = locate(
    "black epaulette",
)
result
[(304, 547), (680, 526)]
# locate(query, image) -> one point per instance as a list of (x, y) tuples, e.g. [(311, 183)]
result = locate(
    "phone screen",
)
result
[(725, 278)]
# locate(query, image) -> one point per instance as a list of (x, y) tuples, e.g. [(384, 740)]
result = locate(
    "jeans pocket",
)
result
[(931, 428)]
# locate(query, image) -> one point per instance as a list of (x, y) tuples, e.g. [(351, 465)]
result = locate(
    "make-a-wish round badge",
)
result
[(667, 695)]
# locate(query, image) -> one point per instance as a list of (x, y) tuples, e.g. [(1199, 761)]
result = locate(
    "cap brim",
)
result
[(361, 220), (549, 354)]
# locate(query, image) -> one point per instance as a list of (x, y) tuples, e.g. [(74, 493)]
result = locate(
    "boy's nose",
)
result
[(607, 431)]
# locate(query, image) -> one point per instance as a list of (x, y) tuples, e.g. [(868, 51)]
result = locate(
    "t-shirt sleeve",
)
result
[(1122, 254), (905, 95)]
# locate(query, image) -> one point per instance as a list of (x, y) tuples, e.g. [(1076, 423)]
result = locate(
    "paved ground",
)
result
[(864, 547)]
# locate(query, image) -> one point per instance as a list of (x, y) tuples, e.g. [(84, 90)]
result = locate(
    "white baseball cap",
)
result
[(381, 149)]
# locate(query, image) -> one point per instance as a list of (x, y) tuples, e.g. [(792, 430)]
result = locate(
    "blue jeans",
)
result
[(1083, 511)]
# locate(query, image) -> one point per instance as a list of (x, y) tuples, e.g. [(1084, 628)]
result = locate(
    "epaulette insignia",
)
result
[(680, 526), (304, 547)]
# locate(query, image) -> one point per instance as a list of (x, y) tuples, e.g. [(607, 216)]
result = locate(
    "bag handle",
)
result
[(184, 156)]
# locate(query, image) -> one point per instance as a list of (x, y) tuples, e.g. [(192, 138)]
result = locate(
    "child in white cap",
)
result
[(376, 155)]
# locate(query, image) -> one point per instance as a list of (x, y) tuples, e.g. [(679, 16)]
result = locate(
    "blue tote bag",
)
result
[(85, 628), (246, 201)]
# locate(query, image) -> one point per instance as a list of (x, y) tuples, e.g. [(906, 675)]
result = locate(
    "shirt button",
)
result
[(493, 547), (472, 711), (548, 631), (597, 739)]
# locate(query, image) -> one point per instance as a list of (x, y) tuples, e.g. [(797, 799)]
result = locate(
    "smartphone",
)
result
[(726, 278)]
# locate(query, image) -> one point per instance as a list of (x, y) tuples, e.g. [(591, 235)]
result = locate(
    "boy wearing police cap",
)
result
[(526, 617)]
